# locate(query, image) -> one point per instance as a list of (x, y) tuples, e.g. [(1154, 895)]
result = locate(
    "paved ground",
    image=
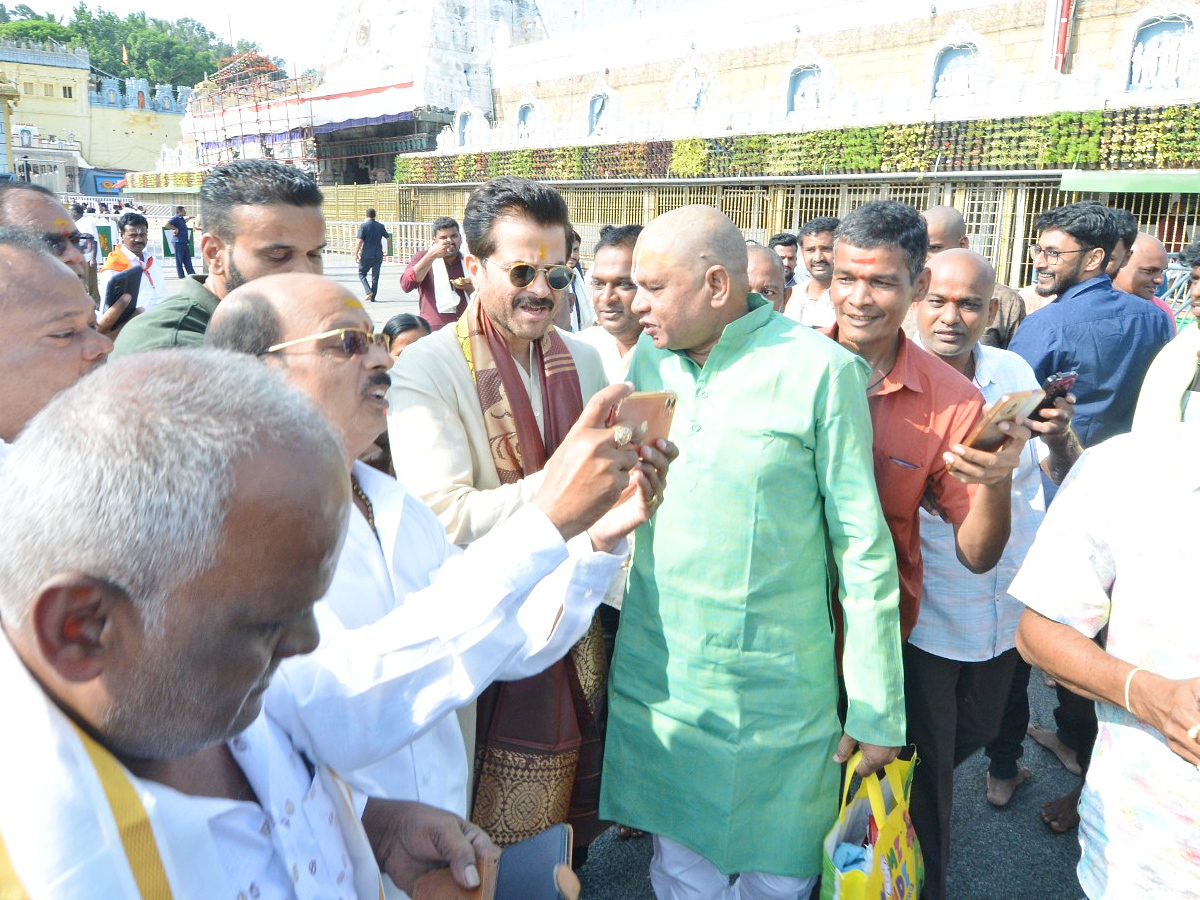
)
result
[(997, 854)]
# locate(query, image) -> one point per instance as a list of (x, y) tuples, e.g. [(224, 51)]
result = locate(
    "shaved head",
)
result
[(947, 228), (959, 305), (348, 381), (1146, 269), (697, 237), (690, 270), (766, 274)]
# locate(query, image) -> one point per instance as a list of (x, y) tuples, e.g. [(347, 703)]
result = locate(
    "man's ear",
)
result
[(921, 285), (1094, 260), (472, 266), (210, 251), (993, 311), (719, 285), (70, 617)]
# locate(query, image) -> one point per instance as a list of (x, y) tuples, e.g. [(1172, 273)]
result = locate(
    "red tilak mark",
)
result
[(865, 260)]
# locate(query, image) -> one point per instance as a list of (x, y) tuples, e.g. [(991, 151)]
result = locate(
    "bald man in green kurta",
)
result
[(723, 735)]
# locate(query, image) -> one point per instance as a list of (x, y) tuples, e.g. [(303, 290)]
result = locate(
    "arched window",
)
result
[(525, 121), (956, 72), (804, 89), (1164, 55), (597, 113)]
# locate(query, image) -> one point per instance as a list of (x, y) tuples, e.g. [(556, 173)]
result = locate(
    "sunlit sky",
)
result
[(282, 30)]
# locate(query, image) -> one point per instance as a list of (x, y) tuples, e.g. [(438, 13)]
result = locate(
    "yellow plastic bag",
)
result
[(894, 868)]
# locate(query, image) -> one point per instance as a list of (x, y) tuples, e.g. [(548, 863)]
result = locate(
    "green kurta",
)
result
[(722, 711)]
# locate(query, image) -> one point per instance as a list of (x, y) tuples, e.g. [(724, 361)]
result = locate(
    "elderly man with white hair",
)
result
[(151, 584)]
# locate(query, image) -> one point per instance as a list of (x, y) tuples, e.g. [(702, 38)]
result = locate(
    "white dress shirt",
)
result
[(616, 365), (817, 313), (153, 288), (971, 617), (412, 628)]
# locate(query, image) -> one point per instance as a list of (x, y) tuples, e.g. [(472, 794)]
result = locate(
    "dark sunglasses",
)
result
[(355, 341), (58, 242), (523, 274)]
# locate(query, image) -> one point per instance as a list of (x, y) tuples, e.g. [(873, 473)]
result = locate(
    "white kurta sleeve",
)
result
[(366, 692)]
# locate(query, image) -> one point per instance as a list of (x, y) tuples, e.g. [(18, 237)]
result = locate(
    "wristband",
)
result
[(1128, 682)]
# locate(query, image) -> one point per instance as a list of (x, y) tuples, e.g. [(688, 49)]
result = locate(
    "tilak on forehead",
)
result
[(351, 303)]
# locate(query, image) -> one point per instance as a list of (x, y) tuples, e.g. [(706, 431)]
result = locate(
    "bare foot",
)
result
[(1062, 815), (1048, 738), (1000, 790)]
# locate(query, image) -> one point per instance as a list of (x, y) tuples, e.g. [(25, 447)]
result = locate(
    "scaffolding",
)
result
[(241, 112)]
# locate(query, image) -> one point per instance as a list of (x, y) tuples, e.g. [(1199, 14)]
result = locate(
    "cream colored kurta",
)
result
[(439, 441)]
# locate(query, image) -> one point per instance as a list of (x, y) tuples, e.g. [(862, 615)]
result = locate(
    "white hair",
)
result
[(127, 476)]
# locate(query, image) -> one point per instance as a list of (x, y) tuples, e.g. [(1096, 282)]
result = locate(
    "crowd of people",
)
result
[(292, 607)]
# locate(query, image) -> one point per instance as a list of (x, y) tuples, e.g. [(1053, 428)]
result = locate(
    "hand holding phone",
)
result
[(649, 412), (987, 435), (1057, 385), (127, 282)]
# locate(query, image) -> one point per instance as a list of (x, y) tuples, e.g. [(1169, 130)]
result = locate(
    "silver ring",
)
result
[(622, 435)]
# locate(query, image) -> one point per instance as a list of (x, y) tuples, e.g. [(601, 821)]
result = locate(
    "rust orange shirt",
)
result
[(922, 409)]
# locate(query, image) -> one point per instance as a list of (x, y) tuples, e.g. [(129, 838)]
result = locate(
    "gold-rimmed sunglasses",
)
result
[(523, 274), (355, 341)]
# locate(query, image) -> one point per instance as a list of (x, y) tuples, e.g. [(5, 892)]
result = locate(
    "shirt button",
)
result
[(704, 395), (695, 428)]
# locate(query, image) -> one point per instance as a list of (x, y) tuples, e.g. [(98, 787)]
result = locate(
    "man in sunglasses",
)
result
[(479, 412), (37, 210), (134, 230), (400, 586), (260, 217)]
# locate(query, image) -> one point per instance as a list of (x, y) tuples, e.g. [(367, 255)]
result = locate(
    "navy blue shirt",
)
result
[(1108, 337), (372, 234), (181, 236)]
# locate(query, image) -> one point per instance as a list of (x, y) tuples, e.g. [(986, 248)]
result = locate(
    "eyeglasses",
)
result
[(355, 341), (1052, 256), (58, 242), (522, 274)]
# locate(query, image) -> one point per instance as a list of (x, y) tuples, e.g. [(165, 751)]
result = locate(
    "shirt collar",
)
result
[(904, 373), (1075, 290)]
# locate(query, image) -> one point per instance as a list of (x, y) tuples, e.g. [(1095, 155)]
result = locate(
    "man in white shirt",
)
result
[(617, 328), (959, 661), (48, 338), (135, 236), (135, 657), (405, 605), (1102, 558), (813, 306)]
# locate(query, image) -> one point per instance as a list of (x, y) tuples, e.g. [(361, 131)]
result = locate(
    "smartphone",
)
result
[(650, 412), (127, 282), (1019, 405), (1057, 385)]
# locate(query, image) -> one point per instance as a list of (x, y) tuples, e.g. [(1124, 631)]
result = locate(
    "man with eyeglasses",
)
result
[(134, 230), (399, 581), (260, 217), (479, 411), (1108, 336)]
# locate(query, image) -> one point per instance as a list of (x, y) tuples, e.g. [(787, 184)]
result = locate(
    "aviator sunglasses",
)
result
[(354, 341), (58, 242), (523, 274)]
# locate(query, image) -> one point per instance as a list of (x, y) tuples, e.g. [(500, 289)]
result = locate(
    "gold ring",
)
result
[(622, 435)]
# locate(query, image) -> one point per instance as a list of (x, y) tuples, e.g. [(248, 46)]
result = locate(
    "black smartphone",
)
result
[(1057, 385), (128, 282)]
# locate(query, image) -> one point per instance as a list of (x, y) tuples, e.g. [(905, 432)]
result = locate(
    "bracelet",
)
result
[(1128, 682)]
